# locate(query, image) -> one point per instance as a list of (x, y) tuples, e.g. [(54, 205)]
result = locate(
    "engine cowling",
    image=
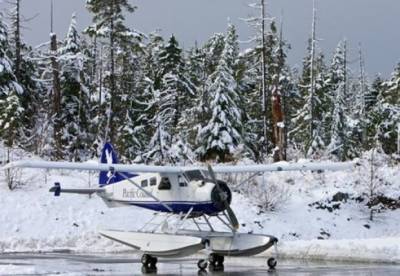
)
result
[(217, 199)]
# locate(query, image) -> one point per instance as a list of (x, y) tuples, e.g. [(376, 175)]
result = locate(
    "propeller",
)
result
[(231, 215)]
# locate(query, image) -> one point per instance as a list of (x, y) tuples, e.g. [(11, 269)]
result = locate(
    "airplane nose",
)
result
[(219, 198)]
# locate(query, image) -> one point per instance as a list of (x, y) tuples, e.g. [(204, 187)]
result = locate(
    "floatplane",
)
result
[(189, 194)]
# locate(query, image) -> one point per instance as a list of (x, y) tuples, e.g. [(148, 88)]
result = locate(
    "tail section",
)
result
[(109, 156)]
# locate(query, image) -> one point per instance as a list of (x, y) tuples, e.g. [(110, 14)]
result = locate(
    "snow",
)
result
[(360, 250), (33, 220), (16, 270)]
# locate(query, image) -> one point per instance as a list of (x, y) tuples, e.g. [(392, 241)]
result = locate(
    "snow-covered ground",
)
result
[(32, 220)]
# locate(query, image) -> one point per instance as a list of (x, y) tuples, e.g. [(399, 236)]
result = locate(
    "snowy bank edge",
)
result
[(379, 250)]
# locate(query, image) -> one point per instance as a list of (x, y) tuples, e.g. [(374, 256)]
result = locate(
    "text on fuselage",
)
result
[(133, 193)]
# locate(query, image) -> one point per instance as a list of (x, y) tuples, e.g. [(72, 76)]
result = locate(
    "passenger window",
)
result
[(153, 181), (144, 183), (165, 184)]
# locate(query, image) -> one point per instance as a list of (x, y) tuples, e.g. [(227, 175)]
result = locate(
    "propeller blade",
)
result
[(211, 171), (231, 215)]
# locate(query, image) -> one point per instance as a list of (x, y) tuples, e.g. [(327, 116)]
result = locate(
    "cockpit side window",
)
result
[(144, 183), (206, 174), (153, 181), (165, 184), (194, 175)]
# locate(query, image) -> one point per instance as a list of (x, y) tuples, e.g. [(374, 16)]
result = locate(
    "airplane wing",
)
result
[(286, 166), (92, 166)]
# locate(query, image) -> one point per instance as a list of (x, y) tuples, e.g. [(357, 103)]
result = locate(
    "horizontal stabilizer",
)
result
[(156, 244), (76, 191)]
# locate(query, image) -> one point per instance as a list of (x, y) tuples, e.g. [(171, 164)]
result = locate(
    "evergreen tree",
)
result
[(344, 125), (249, 87), (11, 125), (338, 140), (278, 82), (372, 116), (143, 118), (213, 49), (312, 145), (108, 18), (173, 98), (194, 114), (222, 134), (75, 97), (129, 69), (160, 144), (387, 113), (25, 71), (174, 84)]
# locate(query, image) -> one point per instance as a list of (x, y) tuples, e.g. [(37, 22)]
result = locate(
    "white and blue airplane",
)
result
[(192, 194)]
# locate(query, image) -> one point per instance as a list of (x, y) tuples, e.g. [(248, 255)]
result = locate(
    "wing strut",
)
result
[(143, 190)]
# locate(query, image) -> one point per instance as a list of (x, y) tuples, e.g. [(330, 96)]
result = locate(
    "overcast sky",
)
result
[(374, 23)]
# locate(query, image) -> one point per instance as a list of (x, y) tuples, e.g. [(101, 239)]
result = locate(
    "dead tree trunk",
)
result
[(372, 186), (264, 95), (17, 38), (278, 125), (362, 95), (111, 123), (278, 118), (312, 72), (56, 93)]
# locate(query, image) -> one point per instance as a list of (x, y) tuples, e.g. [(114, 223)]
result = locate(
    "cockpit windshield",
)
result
[(195, 175)]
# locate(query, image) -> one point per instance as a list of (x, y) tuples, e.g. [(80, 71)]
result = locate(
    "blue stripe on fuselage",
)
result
[(207, 208)]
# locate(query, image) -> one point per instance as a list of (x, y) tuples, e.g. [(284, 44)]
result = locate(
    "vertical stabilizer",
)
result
[(109, 156)]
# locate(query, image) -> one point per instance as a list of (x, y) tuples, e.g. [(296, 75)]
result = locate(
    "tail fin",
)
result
[(109, 156)]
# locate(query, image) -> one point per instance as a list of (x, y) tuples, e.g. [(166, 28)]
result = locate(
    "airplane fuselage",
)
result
[(177, 193)]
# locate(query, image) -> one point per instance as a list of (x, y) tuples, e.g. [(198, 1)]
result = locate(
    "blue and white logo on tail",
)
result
[(109, 156)]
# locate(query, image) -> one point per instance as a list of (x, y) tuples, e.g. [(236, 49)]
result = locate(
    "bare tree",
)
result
[(371, 183), (56, 88), (13, 176), (278, 119), (259, 22), (362, 94), (312, 69), (265, 95)]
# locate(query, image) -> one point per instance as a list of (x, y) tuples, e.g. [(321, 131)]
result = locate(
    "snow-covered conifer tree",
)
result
[(387, 113), (309, 131), (74, 117), (25, 71), (213, 50), (108, 18), (11, 109), (220, 136), (338, 140), (173, 96), (311, 143)]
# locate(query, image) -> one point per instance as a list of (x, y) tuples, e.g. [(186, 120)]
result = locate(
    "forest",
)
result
[(161, 104)]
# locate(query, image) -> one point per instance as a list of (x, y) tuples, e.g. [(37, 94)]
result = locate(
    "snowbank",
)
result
[(363, 250), (16, 270)]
